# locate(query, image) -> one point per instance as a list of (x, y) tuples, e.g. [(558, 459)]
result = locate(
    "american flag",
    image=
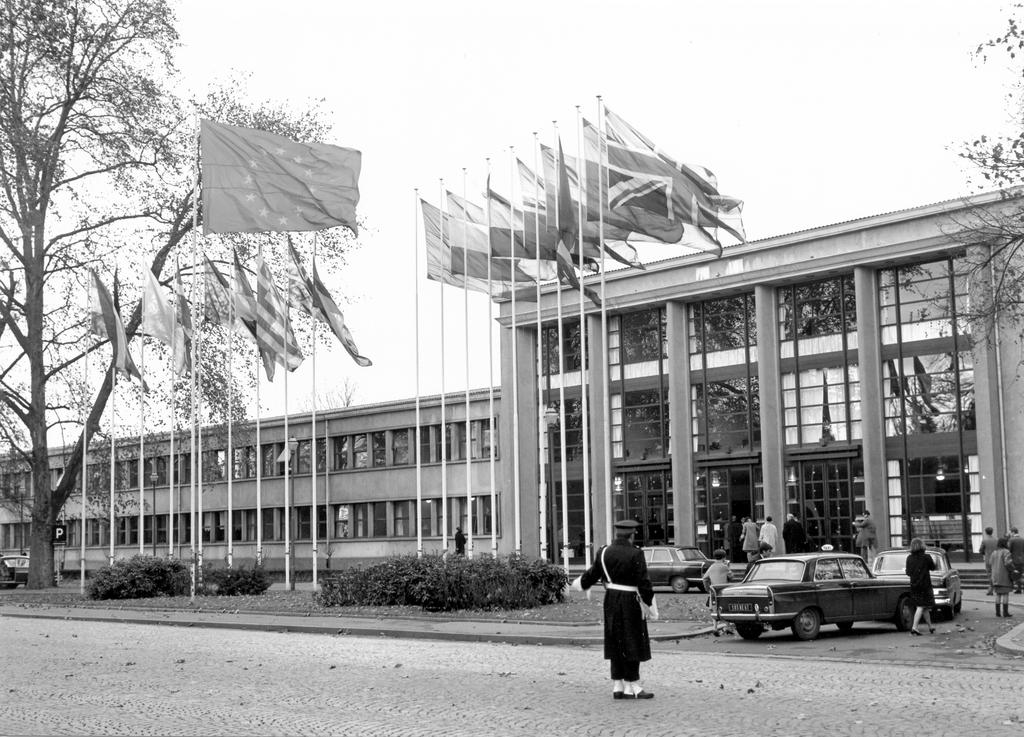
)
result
[(273, 334)]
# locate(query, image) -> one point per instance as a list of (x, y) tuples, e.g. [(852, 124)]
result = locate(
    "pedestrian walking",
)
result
[(769, 533), (460, 541), (1016, 546), (867, 537), (749, 538), (988, 544), (919, 568), (794, 535), (628, 593), (1003, 574)]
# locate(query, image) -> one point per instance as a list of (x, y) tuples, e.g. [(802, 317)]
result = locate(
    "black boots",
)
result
[(1002, 610), (1006, 610)]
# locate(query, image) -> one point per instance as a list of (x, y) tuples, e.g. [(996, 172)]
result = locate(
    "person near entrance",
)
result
[(1003, 574), (749, 538), (769, 533), (793, 535), (1016, 547), (867, 539), (460, 541), (628, 593), (988, 545), (734, 540), (918, 569)]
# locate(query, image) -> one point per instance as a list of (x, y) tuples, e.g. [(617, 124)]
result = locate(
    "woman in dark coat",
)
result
[(623, 569), (919, 568)]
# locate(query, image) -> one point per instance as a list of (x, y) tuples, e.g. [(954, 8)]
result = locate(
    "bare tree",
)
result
[(97, 161)]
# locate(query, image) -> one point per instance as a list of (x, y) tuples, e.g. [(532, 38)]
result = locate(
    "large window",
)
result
[(570, 347), (724, 385)]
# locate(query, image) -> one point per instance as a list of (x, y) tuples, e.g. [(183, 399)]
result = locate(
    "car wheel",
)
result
[(679, 584), (904, 618), (749, 631), (807, 624), (844, 626)]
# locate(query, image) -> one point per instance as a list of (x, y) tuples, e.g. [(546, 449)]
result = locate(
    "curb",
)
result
[(294, 624)]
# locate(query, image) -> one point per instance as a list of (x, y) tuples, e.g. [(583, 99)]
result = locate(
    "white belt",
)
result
[(621, 587)]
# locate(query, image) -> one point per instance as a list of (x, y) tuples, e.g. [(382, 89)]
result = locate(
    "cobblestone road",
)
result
[(62, 677)]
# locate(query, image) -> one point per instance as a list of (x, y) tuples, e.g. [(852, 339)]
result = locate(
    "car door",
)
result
[(832, 590), (868, 600), (659, 565)]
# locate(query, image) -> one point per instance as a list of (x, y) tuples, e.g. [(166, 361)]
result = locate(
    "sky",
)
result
[(811, 111)]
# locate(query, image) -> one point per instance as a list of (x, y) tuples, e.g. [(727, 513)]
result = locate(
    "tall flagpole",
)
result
[(542, 501), (465, 308), (172, 508), (194, 568), (312, 443), (606, 389), (197, 461), (84, 473), (113, 451), (230, 460), (142, 453), (259, 447), (490, 373), (581, 170), (444, 428), (419, 447), (289, 453), (516, 491), (561, 398)]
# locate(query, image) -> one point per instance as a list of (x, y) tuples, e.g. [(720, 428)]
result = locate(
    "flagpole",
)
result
[(312, 446), (515, 371), (142, 452), (606, 389), (541, 423), (419, 446), (172, 507), (84, 473), (490, 372), (465, 308), (193, 568), (113, 451), (288, 583), (561, 398), (444, 428), (230, 464), (581, 171), (197, 460), (259, 447)]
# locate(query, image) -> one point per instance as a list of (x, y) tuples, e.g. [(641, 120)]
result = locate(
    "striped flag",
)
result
[(273, 334), (217, 305), (299, 295), (245, 312), (105, 322)]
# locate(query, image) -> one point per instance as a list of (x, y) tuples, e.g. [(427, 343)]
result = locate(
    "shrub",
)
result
[(236, 581), (141, 577), (437, 583)]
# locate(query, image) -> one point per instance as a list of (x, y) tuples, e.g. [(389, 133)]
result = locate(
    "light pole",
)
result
[(153, 476), (550, 419)]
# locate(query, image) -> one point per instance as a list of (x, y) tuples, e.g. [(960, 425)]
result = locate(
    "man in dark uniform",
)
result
[(622, 568)]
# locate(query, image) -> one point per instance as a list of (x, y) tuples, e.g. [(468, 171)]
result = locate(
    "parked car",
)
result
[(13, 570), (805, 591), (679, 568), (949, 598)]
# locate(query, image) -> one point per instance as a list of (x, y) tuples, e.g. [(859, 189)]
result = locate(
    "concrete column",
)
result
[(600, 438), (680, 421), (869, 361), (770, 381)]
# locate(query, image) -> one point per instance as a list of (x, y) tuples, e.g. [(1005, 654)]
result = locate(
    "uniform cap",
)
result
[(627, 525)]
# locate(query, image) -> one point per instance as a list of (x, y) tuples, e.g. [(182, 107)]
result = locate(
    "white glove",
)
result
[(654, 608), (577, 585)]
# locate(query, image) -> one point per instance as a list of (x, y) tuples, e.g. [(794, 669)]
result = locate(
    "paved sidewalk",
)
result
[(435, 627), (1012, 643)]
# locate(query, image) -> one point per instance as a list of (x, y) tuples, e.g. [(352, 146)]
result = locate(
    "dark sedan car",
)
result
[(945, 578), (13, 570), (803, 592), (679, 568)]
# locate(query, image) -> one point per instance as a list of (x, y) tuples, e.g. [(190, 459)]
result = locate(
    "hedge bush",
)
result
[(438, 583), (240, 581), (141, 577)]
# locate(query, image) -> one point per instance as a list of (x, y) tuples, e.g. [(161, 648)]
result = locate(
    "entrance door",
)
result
[(823, 495), (649, 502)]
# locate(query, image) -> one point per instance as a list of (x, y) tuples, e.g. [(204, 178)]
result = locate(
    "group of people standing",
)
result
[(744, 540), (1004, 564)]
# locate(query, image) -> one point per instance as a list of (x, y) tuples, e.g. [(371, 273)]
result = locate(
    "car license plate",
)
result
[(742, 607)]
